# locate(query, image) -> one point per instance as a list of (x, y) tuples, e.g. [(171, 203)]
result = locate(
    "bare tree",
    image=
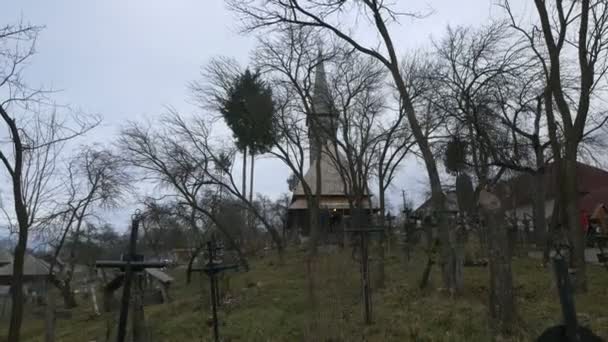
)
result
[(553, 45), (35, 135), (290, 61), (159, 224), (195, 135), (330, 18), (170, 163), (357, 89), (96, 178)]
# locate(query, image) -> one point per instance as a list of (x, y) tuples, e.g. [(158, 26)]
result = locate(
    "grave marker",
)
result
[(364, 261), (570, 330), (132, 265), (212, 268)]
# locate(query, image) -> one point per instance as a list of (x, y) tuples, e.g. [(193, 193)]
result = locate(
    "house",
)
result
[(34, 269), (592, 189), (592, 184), (35, 277), (426, 209)]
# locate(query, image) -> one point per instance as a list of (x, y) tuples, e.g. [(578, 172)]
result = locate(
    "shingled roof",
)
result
[(33, 268), (331, 181)]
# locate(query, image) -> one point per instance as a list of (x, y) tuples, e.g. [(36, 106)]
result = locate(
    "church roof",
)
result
[(331, 180), (328, 202)]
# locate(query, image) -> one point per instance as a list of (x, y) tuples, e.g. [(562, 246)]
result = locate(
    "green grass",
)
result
[(271, 303)]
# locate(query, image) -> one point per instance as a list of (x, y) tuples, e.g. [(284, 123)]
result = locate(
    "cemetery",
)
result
[(271, 303), (304, 170)]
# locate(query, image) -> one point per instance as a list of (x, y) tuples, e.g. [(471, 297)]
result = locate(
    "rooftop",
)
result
[(33, 268)]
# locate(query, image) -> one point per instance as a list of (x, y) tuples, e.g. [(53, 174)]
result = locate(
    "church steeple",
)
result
[(322, 121), (321, 99)]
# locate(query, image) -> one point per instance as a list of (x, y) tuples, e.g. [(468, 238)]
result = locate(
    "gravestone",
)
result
[(502, 310)]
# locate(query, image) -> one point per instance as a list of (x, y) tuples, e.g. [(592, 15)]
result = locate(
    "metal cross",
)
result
[(131, 264), (212, 268), (365, 282)]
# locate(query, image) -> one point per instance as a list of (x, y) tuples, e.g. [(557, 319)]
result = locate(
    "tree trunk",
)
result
[(195, 253), (251, 178), (94, 300), (576, 235), (380, 279), (68, 295), (540, 220), (17, 296), (437, 196), (311, 267), (451, 263), (431, 250), (49, 329), (502, 304), (65, 289), (553, 229), (250, 219), (311, 260), (558, 207), (245, 172)]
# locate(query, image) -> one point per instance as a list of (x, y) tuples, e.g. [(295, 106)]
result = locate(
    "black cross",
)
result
[(212, 268), (131, 264), (365, 282)]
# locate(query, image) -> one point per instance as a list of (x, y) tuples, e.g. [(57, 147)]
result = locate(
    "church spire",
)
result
[(321, 122), (321, 99)]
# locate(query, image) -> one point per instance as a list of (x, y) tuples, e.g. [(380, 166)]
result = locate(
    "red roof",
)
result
[(590, 179), (592, 185)]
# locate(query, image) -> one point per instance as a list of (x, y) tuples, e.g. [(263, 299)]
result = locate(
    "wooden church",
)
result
[(334, 200)]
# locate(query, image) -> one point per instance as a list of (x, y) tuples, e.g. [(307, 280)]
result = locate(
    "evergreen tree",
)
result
[(248, 110)]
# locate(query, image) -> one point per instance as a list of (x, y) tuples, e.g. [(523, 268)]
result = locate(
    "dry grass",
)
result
[(270, 303)]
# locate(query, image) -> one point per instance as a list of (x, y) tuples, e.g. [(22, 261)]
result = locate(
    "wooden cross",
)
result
[(212, 268), (132, 264), (365, 281)]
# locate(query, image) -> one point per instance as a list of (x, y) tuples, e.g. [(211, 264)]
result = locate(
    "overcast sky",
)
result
[(128, 59)]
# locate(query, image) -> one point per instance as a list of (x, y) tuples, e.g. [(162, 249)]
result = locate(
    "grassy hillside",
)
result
[(270, 303)]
